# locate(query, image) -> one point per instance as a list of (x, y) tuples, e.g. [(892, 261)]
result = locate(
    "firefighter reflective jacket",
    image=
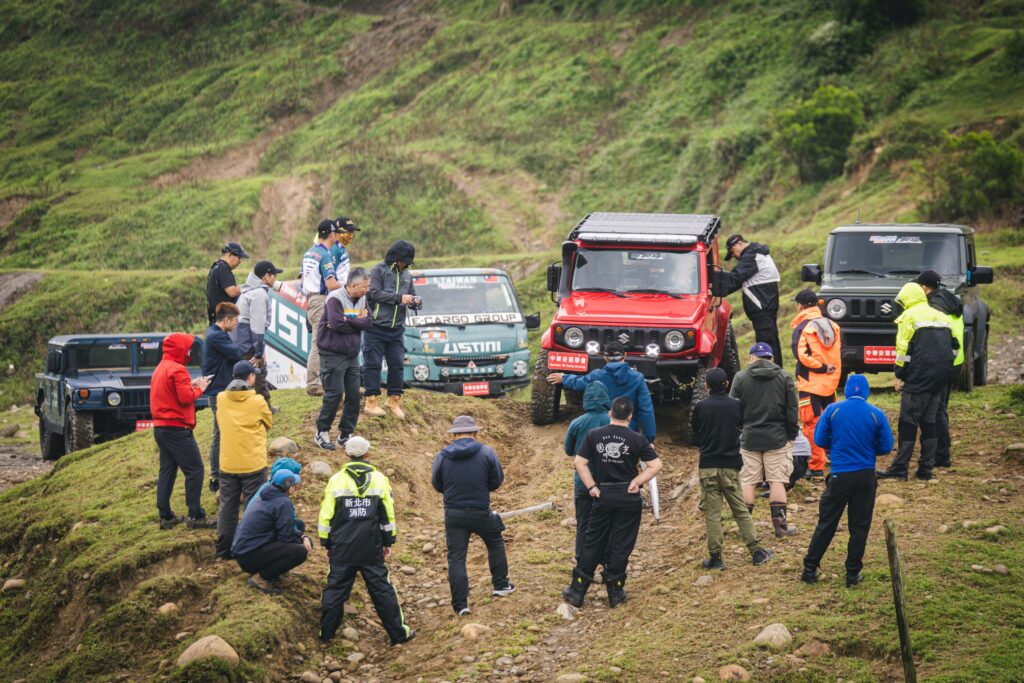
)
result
[(944, 301), (357, 516), (816, 345), (924, 343)]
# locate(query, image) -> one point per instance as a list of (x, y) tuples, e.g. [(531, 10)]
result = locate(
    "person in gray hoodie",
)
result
[(254, 320), (771, 421)]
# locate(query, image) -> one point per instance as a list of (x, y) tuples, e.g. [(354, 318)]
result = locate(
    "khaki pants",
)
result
[(314, 311), (717, 484)]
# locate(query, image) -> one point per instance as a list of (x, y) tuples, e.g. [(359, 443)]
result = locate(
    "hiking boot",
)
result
[(853, 579), (924, 475), (809, 575), (315, 390), (815, 474), (201, 523), (342, 440), (464, 612), (782, 529), (616, 593), (323, 440), (261, 584), (577, 590), (502, 592), (372, 407), (170, 522), (394, 405), (944, 463), (713, 562), (761, 555), (412, 634), (889, 474)]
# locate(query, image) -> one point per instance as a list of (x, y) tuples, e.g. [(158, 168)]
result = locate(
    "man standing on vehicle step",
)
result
[(944, 301), (614, 453), (924, 360), (318, 280), (758, 277), (816, 346)]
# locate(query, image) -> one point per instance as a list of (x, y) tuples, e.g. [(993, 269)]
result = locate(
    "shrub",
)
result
[(972, 176), (816, 133), (1013, 53), (834, 48), (881, 14)]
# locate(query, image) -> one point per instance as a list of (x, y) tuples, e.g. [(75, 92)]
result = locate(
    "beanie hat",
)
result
[(357, 447)]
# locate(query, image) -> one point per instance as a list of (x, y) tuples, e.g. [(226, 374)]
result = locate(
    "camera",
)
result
[(417, 303)]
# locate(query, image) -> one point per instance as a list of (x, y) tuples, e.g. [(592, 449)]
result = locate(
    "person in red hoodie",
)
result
[(172, 399)]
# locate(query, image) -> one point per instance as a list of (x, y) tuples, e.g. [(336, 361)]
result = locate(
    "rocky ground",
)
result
[(1007, 363)]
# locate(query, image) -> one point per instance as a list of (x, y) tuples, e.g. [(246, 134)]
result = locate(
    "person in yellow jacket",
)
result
[(357, 527), (816, 346), (243, 418), (944, 301), (924, 360)]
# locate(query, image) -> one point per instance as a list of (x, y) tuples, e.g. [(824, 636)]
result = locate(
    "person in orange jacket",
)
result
[(816, 346)]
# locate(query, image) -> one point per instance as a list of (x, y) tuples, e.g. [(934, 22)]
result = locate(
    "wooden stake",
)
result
[(909, 672), (523, 511)]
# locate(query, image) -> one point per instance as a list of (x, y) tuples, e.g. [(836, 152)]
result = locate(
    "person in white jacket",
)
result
[(254, 319)]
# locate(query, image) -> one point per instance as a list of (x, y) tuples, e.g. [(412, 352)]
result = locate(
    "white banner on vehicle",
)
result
[(283, 372), (462, 319)]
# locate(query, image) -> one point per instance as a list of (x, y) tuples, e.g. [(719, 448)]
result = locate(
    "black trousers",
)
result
[(235, 490), (340, 377), (381, 344), (459, 525), (612, 531), (273, 559), (584, 505), (799, 470), (382, 593), (215, 442), (766, 329), (179, 450), (917, 412), (855, 493), (942, 448)]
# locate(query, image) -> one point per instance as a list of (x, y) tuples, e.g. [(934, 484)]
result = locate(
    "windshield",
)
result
[(113, 356), (463, 299), (673, 272), (894, 254), (151, 353)]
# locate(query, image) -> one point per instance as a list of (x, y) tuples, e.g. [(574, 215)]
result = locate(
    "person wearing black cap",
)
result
[(219, 357), (254, 319), (944, 301), (220, 282), (717, 422), (339, 251), (758, 277), (319, 279), (243, 418)]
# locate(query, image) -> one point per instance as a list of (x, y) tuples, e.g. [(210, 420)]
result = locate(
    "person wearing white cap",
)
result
[(357, 527)]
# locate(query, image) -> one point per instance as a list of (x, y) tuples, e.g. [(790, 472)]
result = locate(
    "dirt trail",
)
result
[(284, 211), (13, 286), (10, 208)]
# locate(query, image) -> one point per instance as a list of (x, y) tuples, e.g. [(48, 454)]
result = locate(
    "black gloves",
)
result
[(214, 484)]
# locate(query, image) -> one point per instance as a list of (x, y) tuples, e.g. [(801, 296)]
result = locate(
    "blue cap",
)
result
[(243, 369), (290, 464), (285, 479), (762, 350)]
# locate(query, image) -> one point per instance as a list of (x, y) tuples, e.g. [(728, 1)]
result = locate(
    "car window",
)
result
[(106, 356), (888, 252), (677, 272)]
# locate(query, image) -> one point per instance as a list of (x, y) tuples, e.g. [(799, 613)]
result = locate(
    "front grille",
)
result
[(869, 338), (135, 399), (479, 361), (868, 309), (633, 339)]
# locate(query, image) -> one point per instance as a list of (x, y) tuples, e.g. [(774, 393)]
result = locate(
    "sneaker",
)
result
[(412, 634), (502, 592), (761, 555), (342, 440), (854, 579), (201, 523), (170, 522), (713, 562), (924, 475), (809, 576), (815, 474), (889, 474), (263, 586), (323, 440), (464, 612)]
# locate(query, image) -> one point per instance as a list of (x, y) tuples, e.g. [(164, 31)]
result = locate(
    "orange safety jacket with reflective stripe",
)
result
[(816, 344)]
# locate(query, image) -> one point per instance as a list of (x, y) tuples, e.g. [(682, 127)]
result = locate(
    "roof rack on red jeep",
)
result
[(647, 228)]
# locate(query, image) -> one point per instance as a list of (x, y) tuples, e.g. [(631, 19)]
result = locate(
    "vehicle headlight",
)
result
[(593, 348), (520, 368), (421, 373), (674, 340), (652, 350), (114, 398), (445, 372), (836, 309), (574, 337)]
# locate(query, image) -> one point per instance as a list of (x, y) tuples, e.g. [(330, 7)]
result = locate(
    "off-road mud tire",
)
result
[(964, 380), (699, 393), (51, 445), (78, 430), (544, 397), (981, 364), (731, 354)]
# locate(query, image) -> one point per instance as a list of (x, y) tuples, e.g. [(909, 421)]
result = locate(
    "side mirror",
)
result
[(554, 276), (810, 272), (533, 321), (719, 283), (981, 275)]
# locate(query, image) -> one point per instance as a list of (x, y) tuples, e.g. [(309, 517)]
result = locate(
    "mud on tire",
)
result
[(78, 431), (544, 397)]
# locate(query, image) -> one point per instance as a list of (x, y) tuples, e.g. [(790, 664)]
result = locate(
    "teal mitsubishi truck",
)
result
[(469, 337)]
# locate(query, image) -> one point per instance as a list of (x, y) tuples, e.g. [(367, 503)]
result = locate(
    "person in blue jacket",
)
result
[(855, 433), (267, 543), (220, 354), (620, 380), (596, 405)]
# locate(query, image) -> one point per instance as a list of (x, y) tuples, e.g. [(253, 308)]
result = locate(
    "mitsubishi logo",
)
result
[(623, 338), (886, 308), (471, 365)]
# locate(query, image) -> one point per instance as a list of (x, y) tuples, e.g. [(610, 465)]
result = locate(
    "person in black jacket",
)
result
[(717, 422), (465, 472), (219, 357), (220, 281), (758, 277)]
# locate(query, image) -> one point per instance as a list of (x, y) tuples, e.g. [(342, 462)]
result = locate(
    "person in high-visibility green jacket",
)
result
[(357, 527)]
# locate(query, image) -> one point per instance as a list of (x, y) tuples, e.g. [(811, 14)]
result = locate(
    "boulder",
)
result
[(705, 580), (349, 633), (309, 677), (888, 499), (167, 608), (428, 548), (474, 631), (813, 648), (407, 570), (571, 678), (997, 530), (970, 524), (9, 431), (318, 468), (697, 679), (1001, 569), (981, 569), (943, 529), (282, 446), (210, 647), (1014, 452), (355, 658), (774, 636), (182, 635), (733, 672), (13, 585)]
